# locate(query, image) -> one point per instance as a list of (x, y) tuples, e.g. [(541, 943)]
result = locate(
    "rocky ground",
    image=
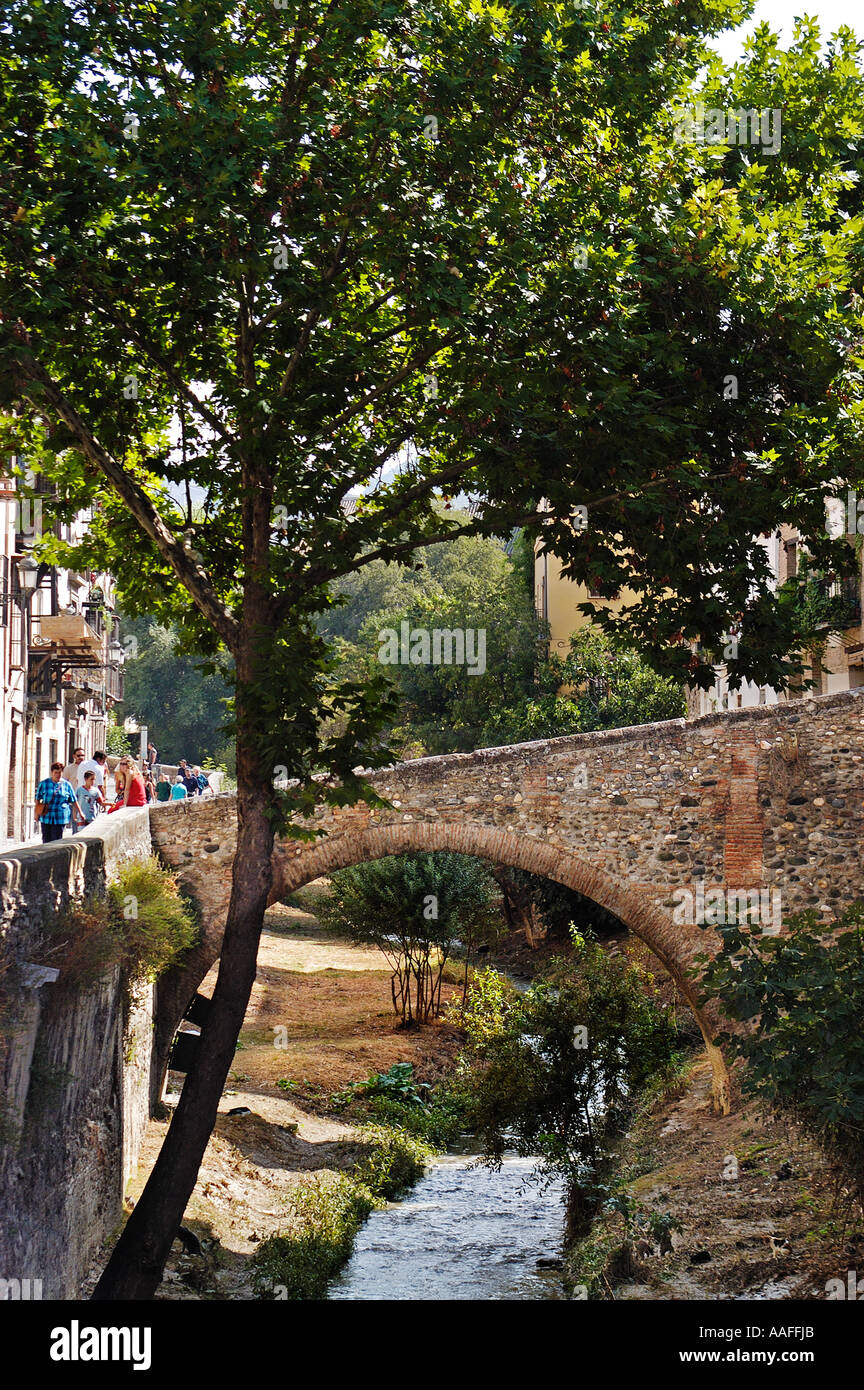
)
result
[(761, 1215)]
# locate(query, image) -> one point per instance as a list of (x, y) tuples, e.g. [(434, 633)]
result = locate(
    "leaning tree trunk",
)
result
[(135, 1268)]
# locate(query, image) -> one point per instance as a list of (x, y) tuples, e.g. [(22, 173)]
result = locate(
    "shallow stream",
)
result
[(464, 1232)]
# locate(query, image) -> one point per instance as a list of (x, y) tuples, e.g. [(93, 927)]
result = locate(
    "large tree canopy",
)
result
[(409, 249), (465, 584), (288, 255)]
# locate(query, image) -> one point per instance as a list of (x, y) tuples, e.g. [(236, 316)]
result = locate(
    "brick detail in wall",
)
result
[(745, 823)]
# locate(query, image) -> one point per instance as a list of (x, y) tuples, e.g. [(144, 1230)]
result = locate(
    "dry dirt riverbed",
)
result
[(775, 1232), (332, 999)]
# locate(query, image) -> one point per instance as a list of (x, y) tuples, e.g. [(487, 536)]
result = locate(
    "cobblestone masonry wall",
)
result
[(75, 1073), (752, 799)]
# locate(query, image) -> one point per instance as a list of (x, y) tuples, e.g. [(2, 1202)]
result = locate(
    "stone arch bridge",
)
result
[(642, 820)]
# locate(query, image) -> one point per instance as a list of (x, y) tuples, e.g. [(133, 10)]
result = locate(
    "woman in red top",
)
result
[(133, 793)]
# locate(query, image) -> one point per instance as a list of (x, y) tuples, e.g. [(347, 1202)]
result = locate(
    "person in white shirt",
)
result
[(96, 765), (70, 771)]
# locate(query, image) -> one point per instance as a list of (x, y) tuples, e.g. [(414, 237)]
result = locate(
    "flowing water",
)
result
[(464, 1232)]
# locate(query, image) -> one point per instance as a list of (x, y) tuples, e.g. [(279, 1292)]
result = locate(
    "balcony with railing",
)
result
[(44, 682), (114, 684), (837, 602), (83, 682), (95, 617)]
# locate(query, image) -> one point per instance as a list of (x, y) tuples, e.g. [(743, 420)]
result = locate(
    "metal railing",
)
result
[(94, 616)]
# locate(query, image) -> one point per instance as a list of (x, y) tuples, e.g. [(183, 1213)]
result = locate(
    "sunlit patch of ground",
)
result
[(333, 1001)]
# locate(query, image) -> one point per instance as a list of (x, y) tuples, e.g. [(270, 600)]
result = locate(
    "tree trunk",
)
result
[(135, 1268)]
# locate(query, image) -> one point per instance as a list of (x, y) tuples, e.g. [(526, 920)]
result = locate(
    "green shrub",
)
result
[(439, 1123), (554, 1072), (391, 1161), (394, 1099), (118, 744), (143, 925), (325, 1217), (397, 1083), (155, 922)]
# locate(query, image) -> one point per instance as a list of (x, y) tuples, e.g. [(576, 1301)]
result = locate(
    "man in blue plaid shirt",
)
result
[(56, 804)]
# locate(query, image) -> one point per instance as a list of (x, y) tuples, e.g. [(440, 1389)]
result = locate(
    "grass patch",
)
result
[(325, 1216), (588, 1261), (390, 1162)]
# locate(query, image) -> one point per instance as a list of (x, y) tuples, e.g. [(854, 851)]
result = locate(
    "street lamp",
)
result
[(27, 570), (116, 653)]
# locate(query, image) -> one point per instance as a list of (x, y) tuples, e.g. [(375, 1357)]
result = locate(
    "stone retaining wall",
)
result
[(75, 1067)]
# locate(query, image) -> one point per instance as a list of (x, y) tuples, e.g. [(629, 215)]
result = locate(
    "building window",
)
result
[(11, 788), (594, 592), (38, 764), (52, 751), (16, 640)]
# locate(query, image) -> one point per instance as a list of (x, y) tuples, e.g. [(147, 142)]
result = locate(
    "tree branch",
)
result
[(172, 376), (191, 575), (385, 552), (378, 391), (404, 499)]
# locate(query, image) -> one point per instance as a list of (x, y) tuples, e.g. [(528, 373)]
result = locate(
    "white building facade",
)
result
[(60, 657)]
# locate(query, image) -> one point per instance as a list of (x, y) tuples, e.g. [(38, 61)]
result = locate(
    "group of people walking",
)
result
[(190, 781), (76, 794)]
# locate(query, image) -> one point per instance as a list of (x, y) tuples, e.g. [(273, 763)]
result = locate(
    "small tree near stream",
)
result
[(552, 1071), (416, 908)]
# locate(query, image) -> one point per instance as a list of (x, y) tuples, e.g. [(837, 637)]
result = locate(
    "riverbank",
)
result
[(755, 1203), (759, 1212)]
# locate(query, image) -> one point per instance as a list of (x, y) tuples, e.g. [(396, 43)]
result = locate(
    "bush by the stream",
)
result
[(440, 1123), (393, 1098), (390, 1161), (555, 1071), (325, 1216), (803, 995)]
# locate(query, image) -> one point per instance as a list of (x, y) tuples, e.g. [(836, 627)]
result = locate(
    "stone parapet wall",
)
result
[(75, 1066)]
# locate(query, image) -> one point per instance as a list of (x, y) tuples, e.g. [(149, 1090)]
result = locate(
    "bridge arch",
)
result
[(296, 865), (763, 799)]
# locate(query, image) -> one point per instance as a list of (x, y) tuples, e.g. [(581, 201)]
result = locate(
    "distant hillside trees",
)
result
[(181, 701)]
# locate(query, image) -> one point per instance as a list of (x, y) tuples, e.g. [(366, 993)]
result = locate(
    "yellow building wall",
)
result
[(557, 601)]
